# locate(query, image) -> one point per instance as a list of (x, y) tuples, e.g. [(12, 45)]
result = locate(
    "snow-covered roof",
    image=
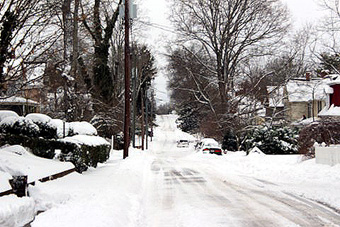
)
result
[(276, 96), (17, 100), (334, 79), (332, 111), (305, 91)]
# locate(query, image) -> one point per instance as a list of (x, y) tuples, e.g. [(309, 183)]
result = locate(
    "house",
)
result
[(20, 105), (304, 98), (298, 99)]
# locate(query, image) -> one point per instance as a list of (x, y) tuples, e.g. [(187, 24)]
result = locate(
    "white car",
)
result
[(209, 146)]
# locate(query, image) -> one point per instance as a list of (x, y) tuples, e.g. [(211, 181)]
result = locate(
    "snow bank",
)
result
[(16, 149), (16, 211), (35, 168), (109, 195), (7, 113), (86, 140)]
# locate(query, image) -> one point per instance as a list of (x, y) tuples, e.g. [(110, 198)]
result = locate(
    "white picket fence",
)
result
[(327, 155)]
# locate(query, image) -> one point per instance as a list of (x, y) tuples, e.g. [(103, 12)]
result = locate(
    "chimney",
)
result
[(308, 76)]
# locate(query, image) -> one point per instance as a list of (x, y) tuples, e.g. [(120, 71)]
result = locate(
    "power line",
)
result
[(159, 26)]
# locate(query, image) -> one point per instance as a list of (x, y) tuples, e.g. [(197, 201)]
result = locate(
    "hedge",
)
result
[(82, 156)]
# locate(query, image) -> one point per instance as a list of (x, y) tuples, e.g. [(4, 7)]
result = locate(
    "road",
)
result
[(182, 193)]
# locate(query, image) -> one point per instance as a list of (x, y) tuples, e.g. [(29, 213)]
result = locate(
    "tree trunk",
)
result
[(75, 42)]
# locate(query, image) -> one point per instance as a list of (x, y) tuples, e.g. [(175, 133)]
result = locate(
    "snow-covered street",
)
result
[(170, 186)]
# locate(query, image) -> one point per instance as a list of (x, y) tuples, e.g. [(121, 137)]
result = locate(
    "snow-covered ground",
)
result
[(16, 161), (170, 186)]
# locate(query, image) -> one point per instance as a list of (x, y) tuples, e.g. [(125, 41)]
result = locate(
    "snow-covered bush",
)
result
[(106, 125), (81, 128), (19, 126), (7, 113), (325, 132), (60, 124), (47, 128), (272, 140), (84, 151)]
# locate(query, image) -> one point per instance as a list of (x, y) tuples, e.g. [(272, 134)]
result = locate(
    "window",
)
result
[(309, 110), (319, 106)]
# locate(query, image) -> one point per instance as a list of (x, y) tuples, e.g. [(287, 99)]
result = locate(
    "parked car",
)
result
[(183, 143), (209, 146)]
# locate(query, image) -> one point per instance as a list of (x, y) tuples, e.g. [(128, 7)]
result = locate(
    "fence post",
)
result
[(19, 185)]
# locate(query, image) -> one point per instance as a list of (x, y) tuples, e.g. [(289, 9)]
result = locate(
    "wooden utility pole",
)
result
[(127, 82), (146, 120), (143, 117)]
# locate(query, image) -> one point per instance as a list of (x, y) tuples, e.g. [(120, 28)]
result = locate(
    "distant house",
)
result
[(298, 99), (304, 98), (20, 105)]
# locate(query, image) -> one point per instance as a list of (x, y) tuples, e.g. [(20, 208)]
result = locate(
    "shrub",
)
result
[(81, 128), (229, 142), (38, 146), (81, 155), (272, 140), (7, 113), (48, 129), (325, 132), (19, 126)]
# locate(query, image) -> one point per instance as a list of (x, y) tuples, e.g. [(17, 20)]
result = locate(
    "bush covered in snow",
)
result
[(85, 151), (325, 132), (81, 128), (47, 128), (39, 146), (19, 126), (7, 113), (272, 140)]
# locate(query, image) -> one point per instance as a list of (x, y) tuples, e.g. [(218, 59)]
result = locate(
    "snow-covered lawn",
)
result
[(15, 160), (114, 193)]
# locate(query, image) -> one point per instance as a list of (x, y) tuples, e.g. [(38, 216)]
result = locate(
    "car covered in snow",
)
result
[(183, 143), (209, 146)]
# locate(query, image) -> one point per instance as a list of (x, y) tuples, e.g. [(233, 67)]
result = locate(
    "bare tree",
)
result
[(27, 31), (230, 31)]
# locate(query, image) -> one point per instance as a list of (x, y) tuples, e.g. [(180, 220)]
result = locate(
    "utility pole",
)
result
[(143, 117), (134, 81), (146, 120), (127, 81)]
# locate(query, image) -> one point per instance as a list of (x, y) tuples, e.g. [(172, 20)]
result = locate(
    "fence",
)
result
[(327, 155)]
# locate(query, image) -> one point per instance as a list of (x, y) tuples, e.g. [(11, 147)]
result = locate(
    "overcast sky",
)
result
[(157, 11)]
